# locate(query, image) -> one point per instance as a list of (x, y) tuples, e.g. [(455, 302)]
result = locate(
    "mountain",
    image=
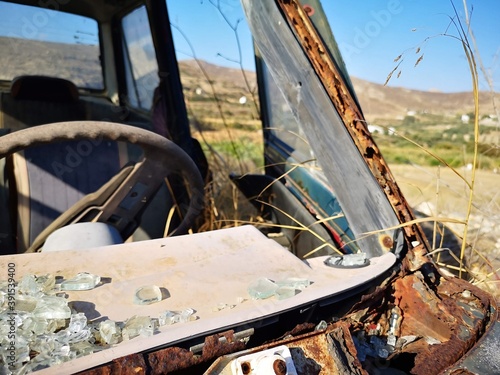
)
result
[(80, 63), (377, 101)]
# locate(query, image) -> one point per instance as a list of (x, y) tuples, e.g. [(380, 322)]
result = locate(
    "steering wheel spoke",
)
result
[(132, 196)]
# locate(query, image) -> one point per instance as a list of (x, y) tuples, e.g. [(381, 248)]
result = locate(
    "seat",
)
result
[(36, 189)]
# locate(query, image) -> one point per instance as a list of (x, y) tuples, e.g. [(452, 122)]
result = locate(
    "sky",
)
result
[(45, 24), (370, 34)]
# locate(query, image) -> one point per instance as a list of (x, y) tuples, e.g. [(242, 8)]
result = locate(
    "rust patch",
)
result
[(172, 359), (133, 364), (439, 315), (447, 317), (246, 368), (299, 329), (214, 347), (344, 351), (422, 311)]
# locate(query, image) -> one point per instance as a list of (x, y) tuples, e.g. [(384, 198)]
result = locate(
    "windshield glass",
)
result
[(42, 41)]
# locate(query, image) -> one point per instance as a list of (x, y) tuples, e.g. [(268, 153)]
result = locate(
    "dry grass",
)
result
[(439, 192)]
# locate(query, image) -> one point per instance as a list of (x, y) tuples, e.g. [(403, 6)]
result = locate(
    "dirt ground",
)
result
[(441, 192)]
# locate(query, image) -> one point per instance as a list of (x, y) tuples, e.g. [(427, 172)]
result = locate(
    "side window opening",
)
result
[(47, 42), (141, 66)]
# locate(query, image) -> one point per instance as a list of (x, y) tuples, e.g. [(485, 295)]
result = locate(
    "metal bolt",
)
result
[(309, 10), (279, 367), (246, 368)]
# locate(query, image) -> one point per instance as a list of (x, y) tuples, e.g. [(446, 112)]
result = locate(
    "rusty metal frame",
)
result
[(356, 125)]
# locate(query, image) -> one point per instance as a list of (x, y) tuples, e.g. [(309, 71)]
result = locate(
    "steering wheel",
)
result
[(124, 196)]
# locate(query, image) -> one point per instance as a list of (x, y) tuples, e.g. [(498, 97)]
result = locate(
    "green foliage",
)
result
[(448, 138), (243, 149), (409, 120)]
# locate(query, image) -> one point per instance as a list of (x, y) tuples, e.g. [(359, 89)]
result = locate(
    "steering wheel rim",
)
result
[(161, 157)]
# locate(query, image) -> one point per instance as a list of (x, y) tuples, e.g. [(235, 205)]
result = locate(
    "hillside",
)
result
[(79, 63), (380, 101), (377, 101)]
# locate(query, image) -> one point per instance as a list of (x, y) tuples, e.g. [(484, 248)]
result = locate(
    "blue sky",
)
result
[(370, 35), (44, 24)]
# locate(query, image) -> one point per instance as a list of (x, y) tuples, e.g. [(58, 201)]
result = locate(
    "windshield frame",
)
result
[(321, 100)]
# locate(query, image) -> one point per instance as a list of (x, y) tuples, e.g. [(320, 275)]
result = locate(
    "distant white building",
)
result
[(375, 129)]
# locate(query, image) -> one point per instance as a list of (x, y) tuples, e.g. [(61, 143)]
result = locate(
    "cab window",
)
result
[(141, 66), (42, 41)]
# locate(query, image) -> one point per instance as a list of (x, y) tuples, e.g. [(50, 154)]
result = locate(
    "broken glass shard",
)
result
[(262, 288), (137, 325), (36, 325), (348, 260), (26, 303), (46, 282), (147, 295), (240, 299), (32, 285), (78, 329), (322, 325), (285, 292), (222, 306), (77, 323), (52, 307), (186, 315), (82, 281), (28, 285), (82, 348), (110, 332), (168, 317), (55, 324), (18, 351), (294, 282)]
